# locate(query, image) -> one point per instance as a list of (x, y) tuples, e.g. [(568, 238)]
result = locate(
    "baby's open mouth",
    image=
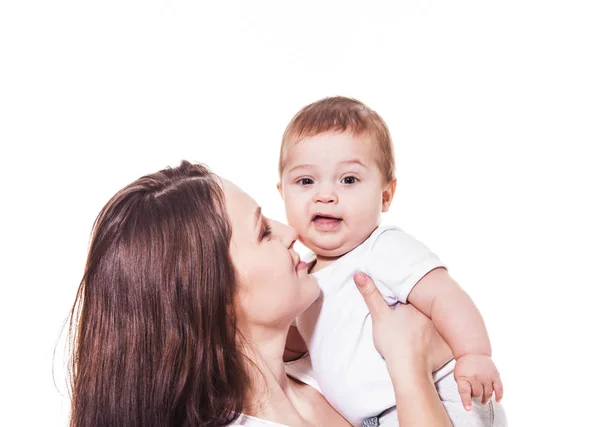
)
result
[(325, 218), (326, 222)]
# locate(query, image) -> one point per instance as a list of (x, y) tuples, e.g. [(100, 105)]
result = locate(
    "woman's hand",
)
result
[(412, 349), (402, 334)]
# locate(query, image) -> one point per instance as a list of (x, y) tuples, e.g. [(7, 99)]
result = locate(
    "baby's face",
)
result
[(333, 191)]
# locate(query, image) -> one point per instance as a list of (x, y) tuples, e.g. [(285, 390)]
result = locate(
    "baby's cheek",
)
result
[(292, 213), (297, 220), (303, 238)]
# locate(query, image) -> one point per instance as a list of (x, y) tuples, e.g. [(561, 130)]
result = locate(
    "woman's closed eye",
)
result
[(265, 232)]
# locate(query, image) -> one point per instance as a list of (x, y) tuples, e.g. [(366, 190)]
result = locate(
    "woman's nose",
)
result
[(292, 236), (287, 234)]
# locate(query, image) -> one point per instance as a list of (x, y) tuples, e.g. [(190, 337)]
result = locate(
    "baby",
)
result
[(336, 172)]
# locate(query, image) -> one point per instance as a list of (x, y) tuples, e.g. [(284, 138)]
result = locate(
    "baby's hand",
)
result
[(477, 376)]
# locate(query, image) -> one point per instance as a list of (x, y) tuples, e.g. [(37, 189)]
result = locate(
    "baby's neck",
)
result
[(321, 262)]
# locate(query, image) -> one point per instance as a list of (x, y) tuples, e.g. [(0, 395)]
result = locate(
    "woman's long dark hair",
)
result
[(153, 329)]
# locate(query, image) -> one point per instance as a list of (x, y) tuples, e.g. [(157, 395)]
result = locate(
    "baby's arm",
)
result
[(453, 313), (459, 322)]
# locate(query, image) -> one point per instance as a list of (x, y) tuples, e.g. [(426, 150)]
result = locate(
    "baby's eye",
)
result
[(349, 180), (305, 181)]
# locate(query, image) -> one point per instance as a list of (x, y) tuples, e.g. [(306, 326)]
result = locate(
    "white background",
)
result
[(494, 108)]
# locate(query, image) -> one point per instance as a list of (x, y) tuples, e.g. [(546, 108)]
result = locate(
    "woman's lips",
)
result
[(301, 265), (323, 223)]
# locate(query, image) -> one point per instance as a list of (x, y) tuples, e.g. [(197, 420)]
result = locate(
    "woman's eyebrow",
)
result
[(257, 216)]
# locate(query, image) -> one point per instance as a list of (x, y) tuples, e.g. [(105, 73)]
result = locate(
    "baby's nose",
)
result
[(326, 195)]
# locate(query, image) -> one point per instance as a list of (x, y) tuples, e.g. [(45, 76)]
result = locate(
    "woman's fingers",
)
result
[(401, 333), (371, 295)]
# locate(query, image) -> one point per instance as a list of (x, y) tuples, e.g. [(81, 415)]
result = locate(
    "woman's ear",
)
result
[(280, 189), (388, 195)]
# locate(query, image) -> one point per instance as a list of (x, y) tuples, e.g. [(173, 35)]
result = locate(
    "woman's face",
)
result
[(274, 286)]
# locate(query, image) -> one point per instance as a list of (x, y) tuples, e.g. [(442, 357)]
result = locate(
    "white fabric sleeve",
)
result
[(248, 421), (302, 370), (396, 262)]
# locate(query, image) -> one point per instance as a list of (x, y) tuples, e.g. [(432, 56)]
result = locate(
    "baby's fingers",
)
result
[(498, 389), (464, 389), (476, 388), (488, 391)]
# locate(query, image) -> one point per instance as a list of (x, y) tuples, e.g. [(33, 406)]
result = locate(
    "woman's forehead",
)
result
[(239, 203)]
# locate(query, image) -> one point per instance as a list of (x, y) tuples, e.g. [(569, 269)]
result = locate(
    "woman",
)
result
[(183, 310)]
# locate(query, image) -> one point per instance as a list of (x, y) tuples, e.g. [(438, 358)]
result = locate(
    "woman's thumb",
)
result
[(361, 280), (369, 292)]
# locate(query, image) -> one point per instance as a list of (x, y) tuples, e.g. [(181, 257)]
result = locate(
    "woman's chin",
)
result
[(316, 291), (309, 292)]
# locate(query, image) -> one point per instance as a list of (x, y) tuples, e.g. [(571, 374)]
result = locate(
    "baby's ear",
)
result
[(280, 189), (388, 195)]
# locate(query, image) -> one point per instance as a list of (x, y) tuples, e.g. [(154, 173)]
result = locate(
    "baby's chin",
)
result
[(331, 250)]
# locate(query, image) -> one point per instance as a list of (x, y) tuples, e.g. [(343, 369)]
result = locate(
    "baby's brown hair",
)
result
[(342, 114)]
